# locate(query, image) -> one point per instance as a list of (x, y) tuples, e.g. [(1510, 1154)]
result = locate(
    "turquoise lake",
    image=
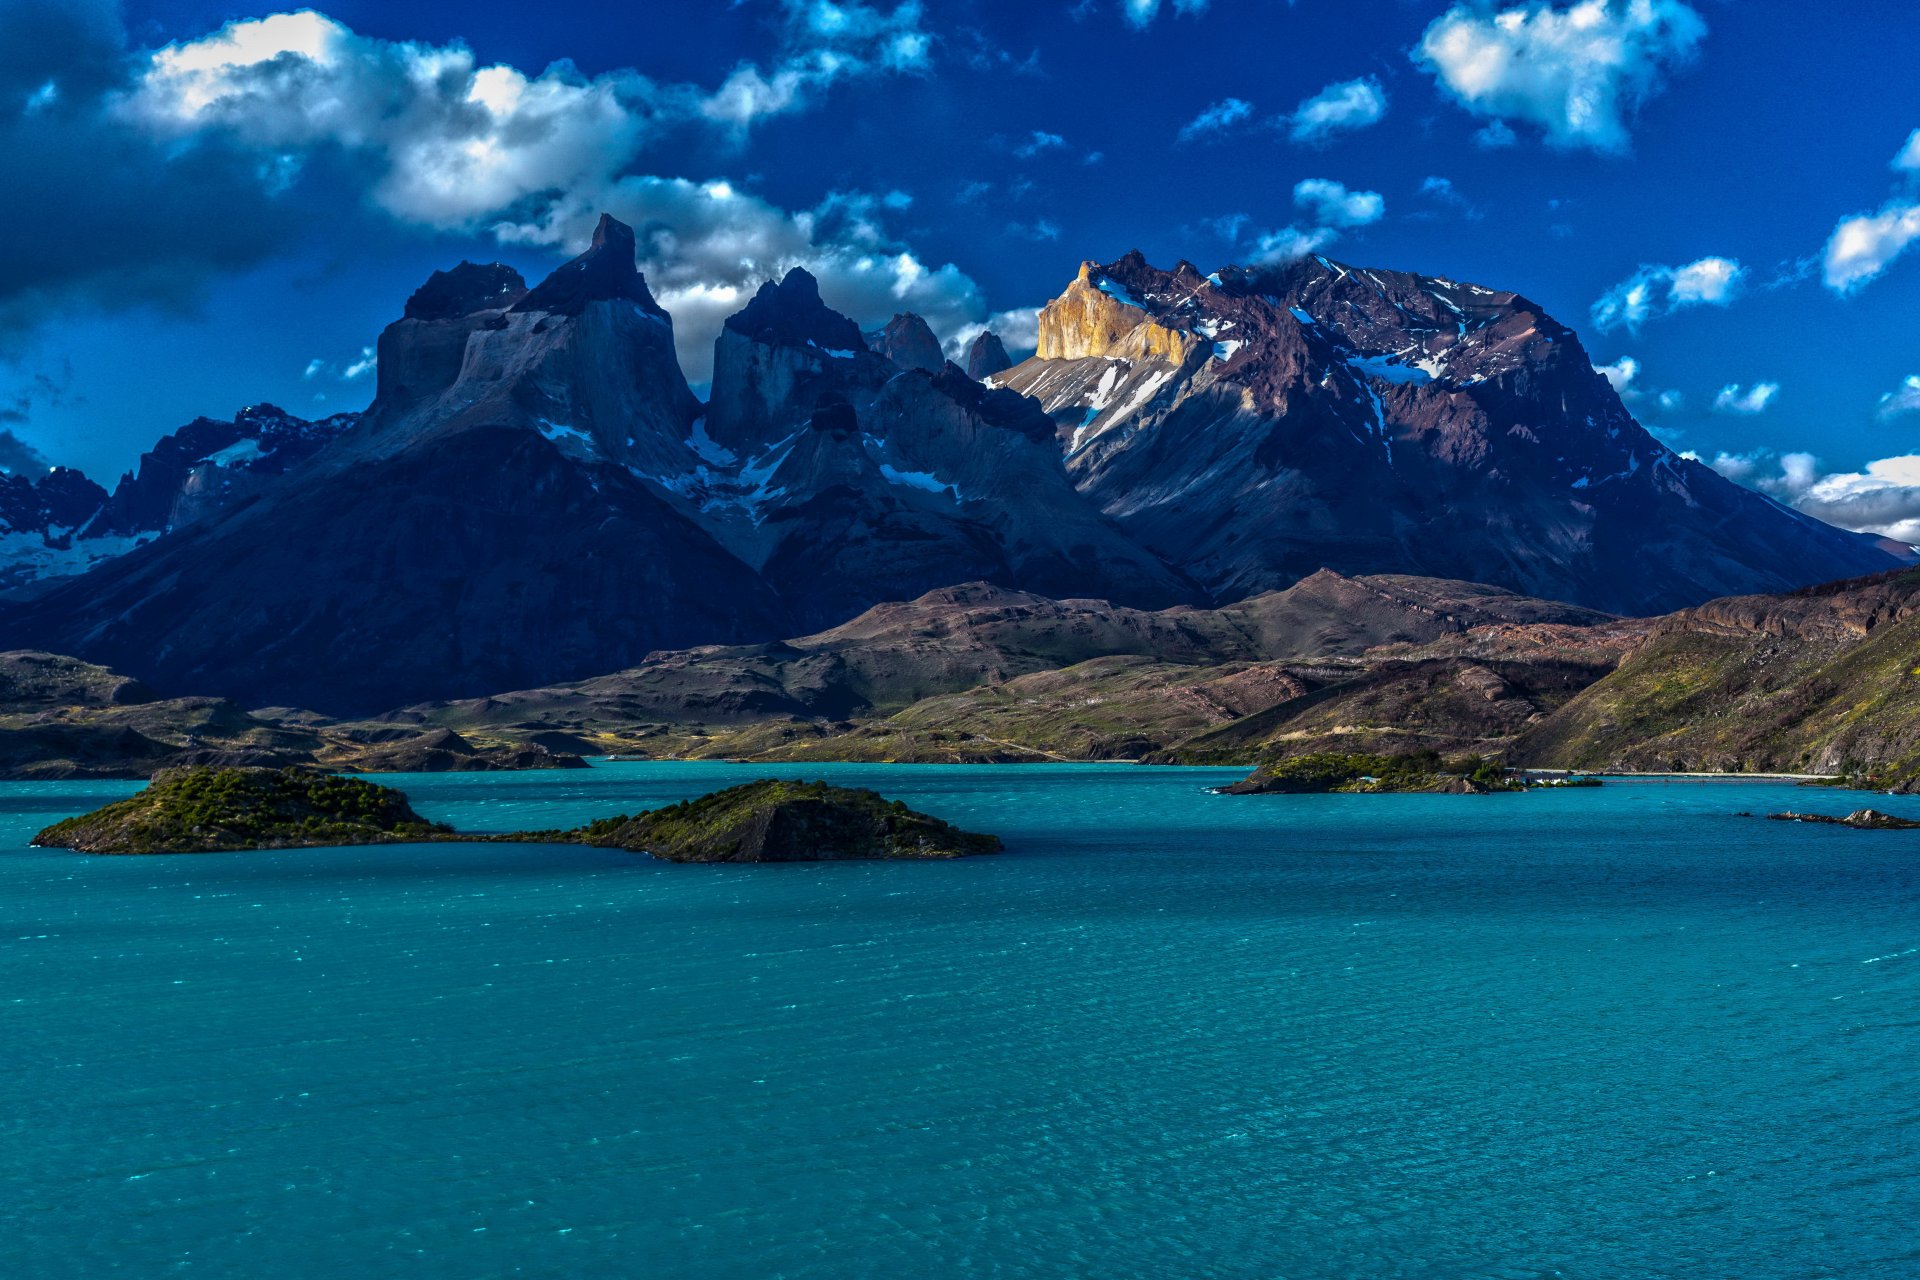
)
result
[(1595, 1034)]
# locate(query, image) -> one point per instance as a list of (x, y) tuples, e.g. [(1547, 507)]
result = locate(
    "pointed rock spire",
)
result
[(467, 289), (605, 272), (908, 341), (791, 313), (987, 356)]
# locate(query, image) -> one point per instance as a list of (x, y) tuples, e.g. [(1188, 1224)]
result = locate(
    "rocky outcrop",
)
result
[(818, 450), (986, 356), (209, 464), (1859, 820), (908, 341)]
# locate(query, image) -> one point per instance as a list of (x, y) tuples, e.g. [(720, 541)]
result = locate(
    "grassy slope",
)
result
[(1826, 681), (209, 810)]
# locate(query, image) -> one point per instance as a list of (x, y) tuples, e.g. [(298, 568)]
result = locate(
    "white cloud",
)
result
[(315, 367), (360, 368), (1333, 205), (1883, 499), (1620, 373), (1291, 243), (1866, 244), (1734, 398), (1903, 399), (1656, 290), (1908, 160), (1222, 115), (1351, 104), (453, 142), (1578, 73)]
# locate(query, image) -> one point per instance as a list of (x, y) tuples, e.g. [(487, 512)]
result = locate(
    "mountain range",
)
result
[(535, 494)]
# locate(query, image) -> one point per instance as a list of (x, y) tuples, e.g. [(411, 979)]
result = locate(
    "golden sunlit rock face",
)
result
[(1088, 321)]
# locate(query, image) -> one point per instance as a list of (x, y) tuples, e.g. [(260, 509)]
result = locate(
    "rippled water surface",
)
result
[(1597, 1034)]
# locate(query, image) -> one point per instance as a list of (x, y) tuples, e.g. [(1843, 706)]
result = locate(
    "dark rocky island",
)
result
[(209, 810), (1859, 820), (204, 810), (774, 820)]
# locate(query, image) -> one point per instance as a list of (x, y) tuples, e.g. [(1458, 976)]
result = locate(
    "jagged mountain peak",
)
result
[(465, 290), (790, 312), (606, 272), (909, 342), (987, 355)]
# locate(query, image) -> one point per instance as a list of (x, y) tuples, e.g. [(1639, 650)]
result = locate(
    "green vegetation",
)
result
[(1324, 771), (205, 810), (1815, 682), (774, 820)]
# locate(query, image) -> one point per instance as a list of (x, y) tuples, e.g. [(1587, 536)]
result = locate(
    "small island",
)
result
[(212, 810), (1859, 820), (774, 820)]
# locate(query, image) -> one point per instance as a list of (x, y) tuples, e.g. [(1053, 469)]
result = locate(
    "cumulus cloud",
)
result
[(227, 123), (1620, 374), (1734, 398), (452, 142), (1333, 205), (1903, 399), (144, 151), (1908, 159), (1866, 244), (1656, 290), (1883, 499), (131, 227), (1577, 73), (1338, 108), (1218, 118), (1331, 208)]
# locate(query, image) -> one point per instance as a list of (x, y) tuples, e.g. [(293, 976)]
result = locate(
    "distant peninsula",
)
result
[(1417, 771)]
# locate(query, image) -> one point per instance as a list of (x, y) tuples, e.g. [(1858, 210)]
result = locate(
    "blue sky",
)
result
[(1718, 193)]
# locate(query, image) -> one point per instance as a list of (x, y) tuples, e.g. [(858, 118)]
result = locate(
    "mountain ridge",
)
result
[(535, 493)]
